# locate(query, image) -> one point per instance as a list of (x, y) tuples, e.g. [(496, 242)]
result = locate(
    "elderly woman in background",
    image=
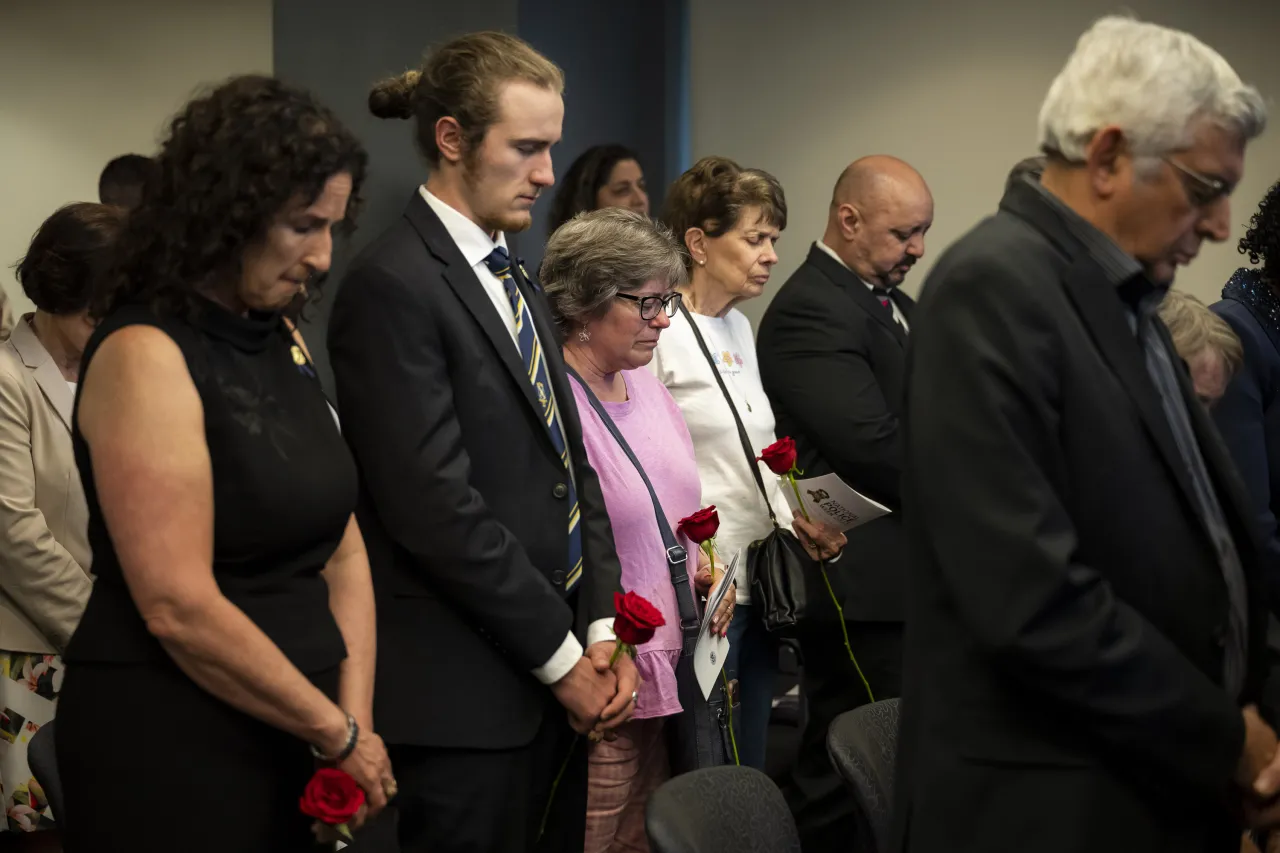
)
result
[(230, 631), (1205, 342), (730, 219), (602, 176), (611, 276), (44, 546)]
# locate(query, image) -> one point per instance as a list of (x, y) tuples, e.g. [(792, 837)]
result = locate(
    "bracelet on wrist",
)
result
[(353, 735)]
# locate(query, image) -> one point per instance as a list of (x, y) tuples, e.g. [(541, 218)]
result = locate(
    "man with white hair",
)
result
[(1085, 629)]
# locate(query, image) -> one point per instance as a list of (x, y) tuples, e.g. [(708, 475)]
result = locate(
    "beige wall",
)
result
[(801, 88), (87, 80)]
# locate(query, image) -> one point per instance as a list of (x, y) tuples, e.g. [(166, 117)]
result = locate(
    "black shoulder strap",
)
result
[(742, 431), (677, 557)]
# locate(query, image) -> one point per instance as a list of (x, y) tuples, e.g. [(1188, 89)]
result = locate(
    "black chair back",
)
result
[(44, 767), (720, 810), (863, 745)]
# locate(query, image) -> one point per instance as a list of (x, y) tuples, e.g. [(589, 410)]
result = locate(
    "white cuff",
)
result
[(600, 631), (837, 557), (561, 662)]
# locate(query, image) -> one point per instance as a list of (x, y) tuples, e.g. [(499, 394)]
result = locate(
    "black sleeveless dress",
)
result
[(149, 760)]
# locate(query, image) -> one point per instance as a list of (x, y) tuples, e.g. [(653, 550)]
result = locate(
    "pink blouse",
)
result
[(653, 426)]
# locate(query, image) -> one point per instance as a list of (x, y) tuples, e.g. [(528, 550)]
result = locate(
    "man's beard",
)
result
[(510, 222)]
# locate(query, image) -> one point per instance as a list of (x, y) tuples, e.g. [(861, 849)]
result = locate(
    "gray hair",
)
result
[(598, 254), (1153, 82)]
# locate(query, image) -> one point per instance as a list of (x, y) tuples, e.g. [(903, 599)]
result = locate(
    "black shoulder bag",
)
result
[(698, 736), (777, 564)]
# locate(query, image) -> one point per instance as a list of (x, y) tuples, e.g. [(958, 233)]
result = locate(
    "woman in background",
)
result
[(603, 176), (229, 637), (611, 277), (730, 219), (1204, 342), (44, 545), (1248, 415)]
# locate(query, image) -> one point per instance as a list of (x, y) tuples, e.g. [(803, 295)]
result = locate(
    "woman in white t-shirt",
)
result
[(730, 219)]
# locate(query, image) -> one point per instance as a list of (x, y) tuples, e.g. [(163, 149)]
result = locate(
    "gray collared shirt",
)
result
[(1122, 269)]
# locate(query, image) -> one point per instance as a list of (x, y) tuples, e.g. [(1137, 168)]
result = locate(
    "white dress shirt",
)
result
[(898, 316), (476, 245)]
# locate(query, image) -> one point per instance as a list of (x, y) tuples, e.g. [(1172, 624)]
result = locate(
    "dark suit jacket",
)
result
[(463, 497), (832, 363), (1248, 416), (1066, 609)]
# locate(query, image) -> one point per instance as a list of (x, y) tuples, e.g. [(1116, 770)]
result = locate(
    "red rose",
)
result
[(700, 526), (331, 797), (780, 456), (637, 619)]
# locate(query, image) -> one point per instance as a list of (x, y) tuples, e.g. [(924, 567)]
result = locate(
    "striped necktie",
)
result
[(499, 263)]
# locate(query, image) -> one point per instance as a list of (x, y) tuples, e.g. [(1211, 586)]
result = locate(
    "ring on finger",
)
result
[(389, 787)]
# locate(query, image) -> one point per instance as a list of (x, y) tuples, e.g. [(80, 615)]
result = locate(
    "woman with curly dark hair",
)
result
[(1248, 415), (602, 176), (229, 637)]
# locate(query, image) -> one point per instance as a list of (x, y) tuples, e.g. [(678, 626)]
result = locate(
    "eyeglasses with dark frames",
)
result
[(1202, 190), (651, 305)]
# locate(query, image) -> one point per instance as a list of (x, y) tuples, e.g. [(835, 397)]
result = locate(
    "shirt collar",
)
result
[(1119, 265), (832, 252), (469, 237)]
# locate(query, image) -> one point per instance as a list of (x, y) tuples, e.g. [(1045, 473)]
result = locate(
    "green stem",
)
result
[(791, 478), (728, 700), (822, 565), (711, 555), (617, 653), (542, 827)]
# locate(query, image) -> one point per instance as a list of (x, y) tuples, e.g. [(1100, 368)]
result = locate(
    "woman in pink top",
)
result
[(611, 276)]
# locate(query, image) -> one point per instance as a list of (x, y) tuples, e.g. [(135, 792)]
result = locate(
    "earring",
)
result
[(702, 262), (584, 335)]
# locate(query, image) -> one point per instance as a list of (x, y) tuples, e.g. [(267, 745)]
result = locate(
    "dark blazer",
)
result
[(1066, 609), (1248, 415), (832, 362), (463, 497)]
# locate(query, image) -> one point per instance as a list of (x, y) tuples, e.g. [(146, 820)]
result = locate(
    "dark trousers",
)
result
[(212, 778), (818, 798), (488, 801), (753, 661)]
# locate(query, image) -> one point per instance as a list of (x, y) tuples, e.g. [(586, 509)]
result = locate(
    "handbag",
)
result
[(699, 736), (778, 565)]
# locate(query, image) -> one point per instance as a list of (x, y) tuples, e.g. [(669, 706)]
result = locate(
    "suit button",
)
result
[(1220, 636), (560, 491), (557, 577)]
